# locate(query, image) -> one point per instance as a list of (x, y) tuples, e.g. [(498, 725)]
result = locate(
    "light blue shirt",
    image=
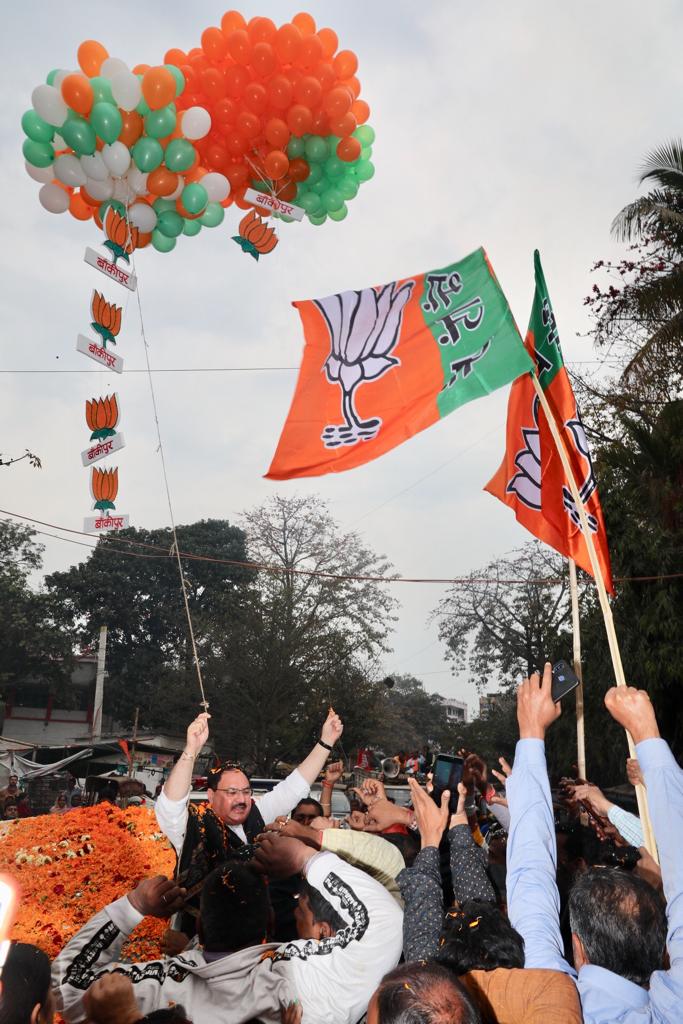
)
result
[(534, 902), (627, 825)]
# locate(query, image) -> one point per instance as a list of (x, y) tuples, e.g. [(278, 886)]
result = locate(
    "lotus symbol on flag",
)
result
[(364, 328)]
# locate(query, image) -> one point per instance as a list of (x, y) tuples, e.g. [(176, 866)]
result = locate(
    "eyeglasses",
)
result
[(231, 791)]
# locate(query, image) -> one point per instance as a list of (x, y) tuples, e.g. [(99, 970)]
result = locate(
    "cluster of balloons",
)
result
[(172, 146)]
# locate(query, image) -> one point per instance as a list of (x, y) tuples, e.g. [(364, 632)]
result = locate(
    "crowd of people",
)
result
[(16, 803), (501, 905)]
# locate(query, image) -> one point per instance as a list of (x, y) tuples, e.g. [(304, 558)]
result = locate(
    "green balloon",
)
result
[(101, 88), (364, 170), (296, 147), (191, 228), (348, 187), (365, 153), (315, 175), (319, 186), (261, 186), (143, 106), (162, 205), (180, 155), (365, 134), (162, 243), (79, 135), (317, 219), (194, 198), (213, 215), (170, 224), (36, 128), (332, 199), (309, 201), (179, 78), (316, 149), (106, 119), (339, 214), (51, 75), (40, 154), (147, 154), (160, 123), (115, 204), (334, 167)]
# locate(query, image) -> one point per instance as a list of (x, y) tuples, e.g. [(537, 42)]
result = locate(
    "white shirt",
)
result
[(172, 814)]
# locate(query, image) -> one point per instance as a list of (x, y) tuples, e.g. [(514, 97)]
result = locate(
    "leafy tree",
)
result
[(411, 717)]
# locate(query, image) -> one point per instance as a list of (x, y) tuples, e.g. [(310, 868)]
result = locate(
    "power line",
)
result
[(176, 369)]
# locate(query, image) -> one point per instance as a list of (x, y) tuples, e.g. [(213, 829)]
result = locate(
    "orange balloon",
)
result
[(311, 52), (299, 169), (131, 129), (279, 91), (353, 85), (224, 112), (287, 42), (256, 97), (183, 212), (287, 192), (78, 207), (243, 203), (321, 123), (348, 149), (276, 133), (239, 46), (305, 23), (96, 217), (236, 81), (87, 198), (344, 126), (176, 57), (276, 164), (261, 30), (232, 20), (213, 84), (308, 91), (263, 59), (144, 238), (91, 56), (237, 174), (337, 102), (194, 174), (249, 124), (299, 120), (346, 63), (162, 182), (158, 87), (140, 69), (328, 37), (214, 44), (77, 93), (360, 110), (325, 74)]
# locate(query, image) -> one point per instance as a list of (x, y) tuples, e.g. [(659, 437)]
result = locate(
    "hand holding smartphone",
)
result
[(447, 774)]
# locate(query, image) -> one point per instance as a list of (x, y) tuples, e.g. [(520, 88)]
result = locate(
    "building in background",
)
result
[(456, 711)]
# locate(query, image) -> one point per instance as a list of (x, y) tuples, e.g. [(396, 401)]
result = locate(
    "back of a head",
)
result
[(25, 983), (234, 908), (423, 993), (621, 922), (172, 1015), (478, 937)]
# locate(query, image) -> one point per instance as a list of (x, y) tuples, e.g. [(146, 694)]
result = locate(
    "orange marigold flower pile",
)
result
[(71, 865)]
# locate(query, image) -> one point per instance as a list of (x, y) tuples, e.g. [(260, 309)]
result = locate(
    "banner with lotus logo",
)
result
[(384, 363)]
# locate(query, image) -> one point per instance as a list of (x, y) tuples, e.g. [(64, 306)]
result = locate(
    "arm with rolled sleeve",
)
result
[(283, 797), (664, 781), (533, 899), (171, 816), (627, 825)]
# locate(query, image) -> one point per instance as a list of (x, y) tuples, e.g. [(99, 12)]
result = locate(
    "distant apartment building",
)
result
[(456, 711)]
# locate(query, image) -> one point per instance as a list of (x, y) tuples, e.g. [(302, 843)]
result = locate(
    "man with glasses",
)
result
[(205, 836)]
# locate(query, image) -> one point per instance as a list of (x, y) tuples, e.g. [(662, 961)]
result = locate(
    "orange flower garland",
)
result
[(69, 866)]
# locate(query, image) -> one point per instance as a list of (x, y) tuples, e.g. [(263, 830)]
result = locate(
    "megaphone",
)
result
[(390, 768)]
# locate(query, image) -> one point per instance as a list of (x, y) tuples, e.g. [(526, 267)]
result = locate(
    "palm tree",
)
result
[(653, 300)]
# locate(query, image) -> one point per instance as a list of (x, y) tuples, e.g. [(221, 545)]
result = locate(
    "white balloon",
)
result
[(217, 186), (54, 198), (137, 180), (58, 142), (195, 123), (142, 216), (60, 76), (117, 158), (126, 89), (177, 192), (48, 104), (95, 167), (122, 191), (69, 171), (100, 189), (112, 66), (41, 174)]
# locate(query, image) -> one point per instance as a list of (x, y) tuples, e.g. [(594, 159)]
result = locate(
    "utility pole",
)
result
[(96, 731), (135, 736)]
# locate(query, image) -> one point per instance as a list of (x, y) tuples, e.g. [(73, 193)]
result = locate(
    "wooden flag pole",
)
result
[(615, 653), (576, 635)]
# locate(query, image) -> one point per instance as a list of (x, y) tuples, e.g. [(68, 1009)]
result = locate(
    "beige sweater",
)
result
[(369, 852)]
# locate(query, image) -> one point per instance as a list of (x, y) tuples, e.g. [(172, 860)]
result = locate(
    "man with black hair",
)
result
[(25, 994), (421, 993), (618, 924)]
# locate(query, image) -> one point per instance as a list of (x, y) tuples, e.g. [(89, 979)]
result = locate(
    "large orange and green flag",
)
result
[(381, 364), (531, 478)]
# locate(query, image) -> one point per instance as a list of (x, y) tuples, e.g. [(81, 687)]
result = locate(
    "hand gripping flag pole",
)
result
[(602, 595)]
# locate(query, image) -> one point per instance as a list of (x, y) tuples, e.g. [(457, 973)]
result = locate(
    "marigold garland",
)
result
[(71, 865)]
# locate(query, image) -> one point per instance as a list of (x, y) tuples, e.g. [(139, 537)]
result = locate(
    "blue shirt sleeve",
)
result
[(533, 899), (627, 825)]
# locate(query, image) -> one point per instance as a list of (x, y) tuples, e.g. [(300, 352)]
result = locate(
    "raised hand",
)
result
[(536, 710), (431, 820), (294, 830), (594, 797), (370, 791), (280, 857), (110, 1000), (460, 816), (507, 771), (157, 897), (197, 733), (633, 772), (383, 814), (633, 710), (333, 772), (173, 942), (332, 729)]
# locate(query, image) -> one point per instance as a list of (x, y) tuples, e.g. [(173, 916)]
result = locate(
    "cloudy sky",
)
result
[(508, 125)]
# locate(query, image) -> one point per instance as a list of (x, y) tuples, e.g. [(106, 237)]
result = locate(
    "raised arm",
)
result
[(332, 776), (312, 766), (171, 805), (470, 881), (664, 779), (533, 899)]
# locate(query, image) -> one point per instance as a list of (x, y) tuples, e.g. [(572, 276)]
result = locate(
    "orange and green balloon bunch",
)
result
[(172, 146)]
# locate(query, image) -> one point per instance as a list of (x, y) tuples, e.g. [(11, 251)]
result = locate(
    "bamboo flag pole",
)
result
[(615, 653), (576, 635)]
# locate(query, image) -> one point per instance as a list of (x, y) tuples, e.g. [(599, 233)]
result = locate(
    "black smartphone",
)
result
[(447, 774), (565, 680)]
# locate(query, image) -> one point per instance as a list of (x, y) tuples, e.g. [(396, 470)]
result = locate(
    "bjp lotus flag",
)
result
[(383, 363), (531, 479)]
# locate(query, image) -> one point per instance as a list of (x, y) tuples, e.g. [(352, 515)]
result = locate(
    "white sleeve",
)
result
[(335, 977), (172, 818), (283, 797)]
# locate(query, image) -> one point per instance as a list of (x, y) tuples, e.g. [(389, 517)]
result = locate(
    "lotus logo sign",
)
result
[(364, 328)]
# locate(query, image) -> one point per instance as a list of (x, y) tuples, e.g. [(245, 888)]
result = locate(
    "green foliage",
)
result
[(410, 718)]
